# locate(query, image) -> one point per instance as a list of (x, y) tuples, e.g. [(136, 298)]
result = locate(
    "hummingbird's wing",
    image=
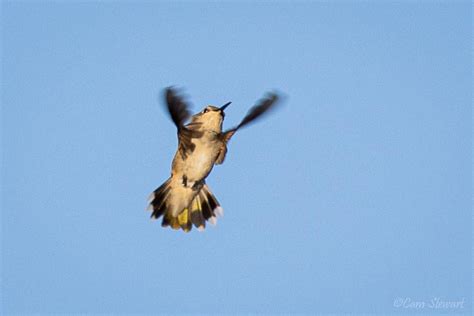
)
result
[(179, 113), (255, 112), (177, 107)]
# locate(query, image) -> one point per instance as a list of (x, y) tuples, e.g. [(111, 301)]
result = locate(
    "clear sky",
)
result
[(355, 193)]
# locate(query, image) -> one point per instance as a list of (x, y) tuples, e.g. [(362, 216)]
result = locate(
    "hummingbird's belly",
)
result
[(199, 163)]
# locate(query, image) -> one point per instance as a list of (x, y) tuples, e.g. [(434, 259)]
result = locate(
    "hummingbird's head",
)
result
[(211, 118)]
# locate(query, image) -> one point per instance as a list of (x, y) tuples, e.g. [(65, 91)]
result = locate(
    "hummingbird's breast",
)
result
[(197, 165)]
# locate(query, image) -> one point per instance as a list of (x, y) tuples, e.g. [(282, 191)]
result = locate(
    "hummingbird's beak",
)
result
[(222, 108)]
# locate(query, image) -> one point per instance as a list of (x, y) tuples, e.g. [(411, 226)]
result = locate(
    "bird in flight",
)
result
[(185, 199)]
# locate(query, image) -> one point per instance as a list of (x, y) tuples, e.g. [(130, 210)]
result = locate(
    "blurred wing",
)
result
[(177, 107), (254, 113), (179, 113)]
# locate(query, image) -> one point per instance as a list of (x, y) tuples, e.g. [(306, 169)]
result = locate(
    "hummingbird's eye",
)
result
[(205, 110)]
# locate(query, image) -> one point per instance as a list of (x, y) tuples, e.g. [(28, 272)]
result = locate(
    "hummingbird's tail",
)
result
[(204, 207)]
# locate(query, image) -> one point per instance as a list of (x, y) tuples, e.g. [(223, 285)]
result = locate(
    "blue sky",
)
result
[(355, 193)]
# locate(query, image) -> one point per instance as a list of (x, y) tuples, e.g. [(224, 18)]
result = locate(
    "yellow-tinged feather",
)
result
[(198, 202), (183, 217)]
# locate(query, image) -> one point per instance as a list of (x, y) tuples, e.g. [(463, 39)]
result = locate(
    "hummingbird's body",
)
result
[(184, 199), (188, 172), (197, 165)]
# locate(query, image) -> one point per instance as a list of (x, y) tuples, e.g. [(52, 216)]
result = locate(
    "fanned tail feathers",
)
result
[(204, 207)]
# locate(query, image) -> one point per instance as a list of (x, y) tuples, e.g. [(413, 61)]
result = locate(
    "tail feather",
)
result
[(175, 223), (203, 207), (166, 221), (197, 217), (158, 200), (184, 220), (212, 201)]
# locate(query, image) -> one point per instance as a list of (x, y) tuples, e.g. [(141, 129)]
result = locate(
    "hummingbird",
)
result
[(185, 199)]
